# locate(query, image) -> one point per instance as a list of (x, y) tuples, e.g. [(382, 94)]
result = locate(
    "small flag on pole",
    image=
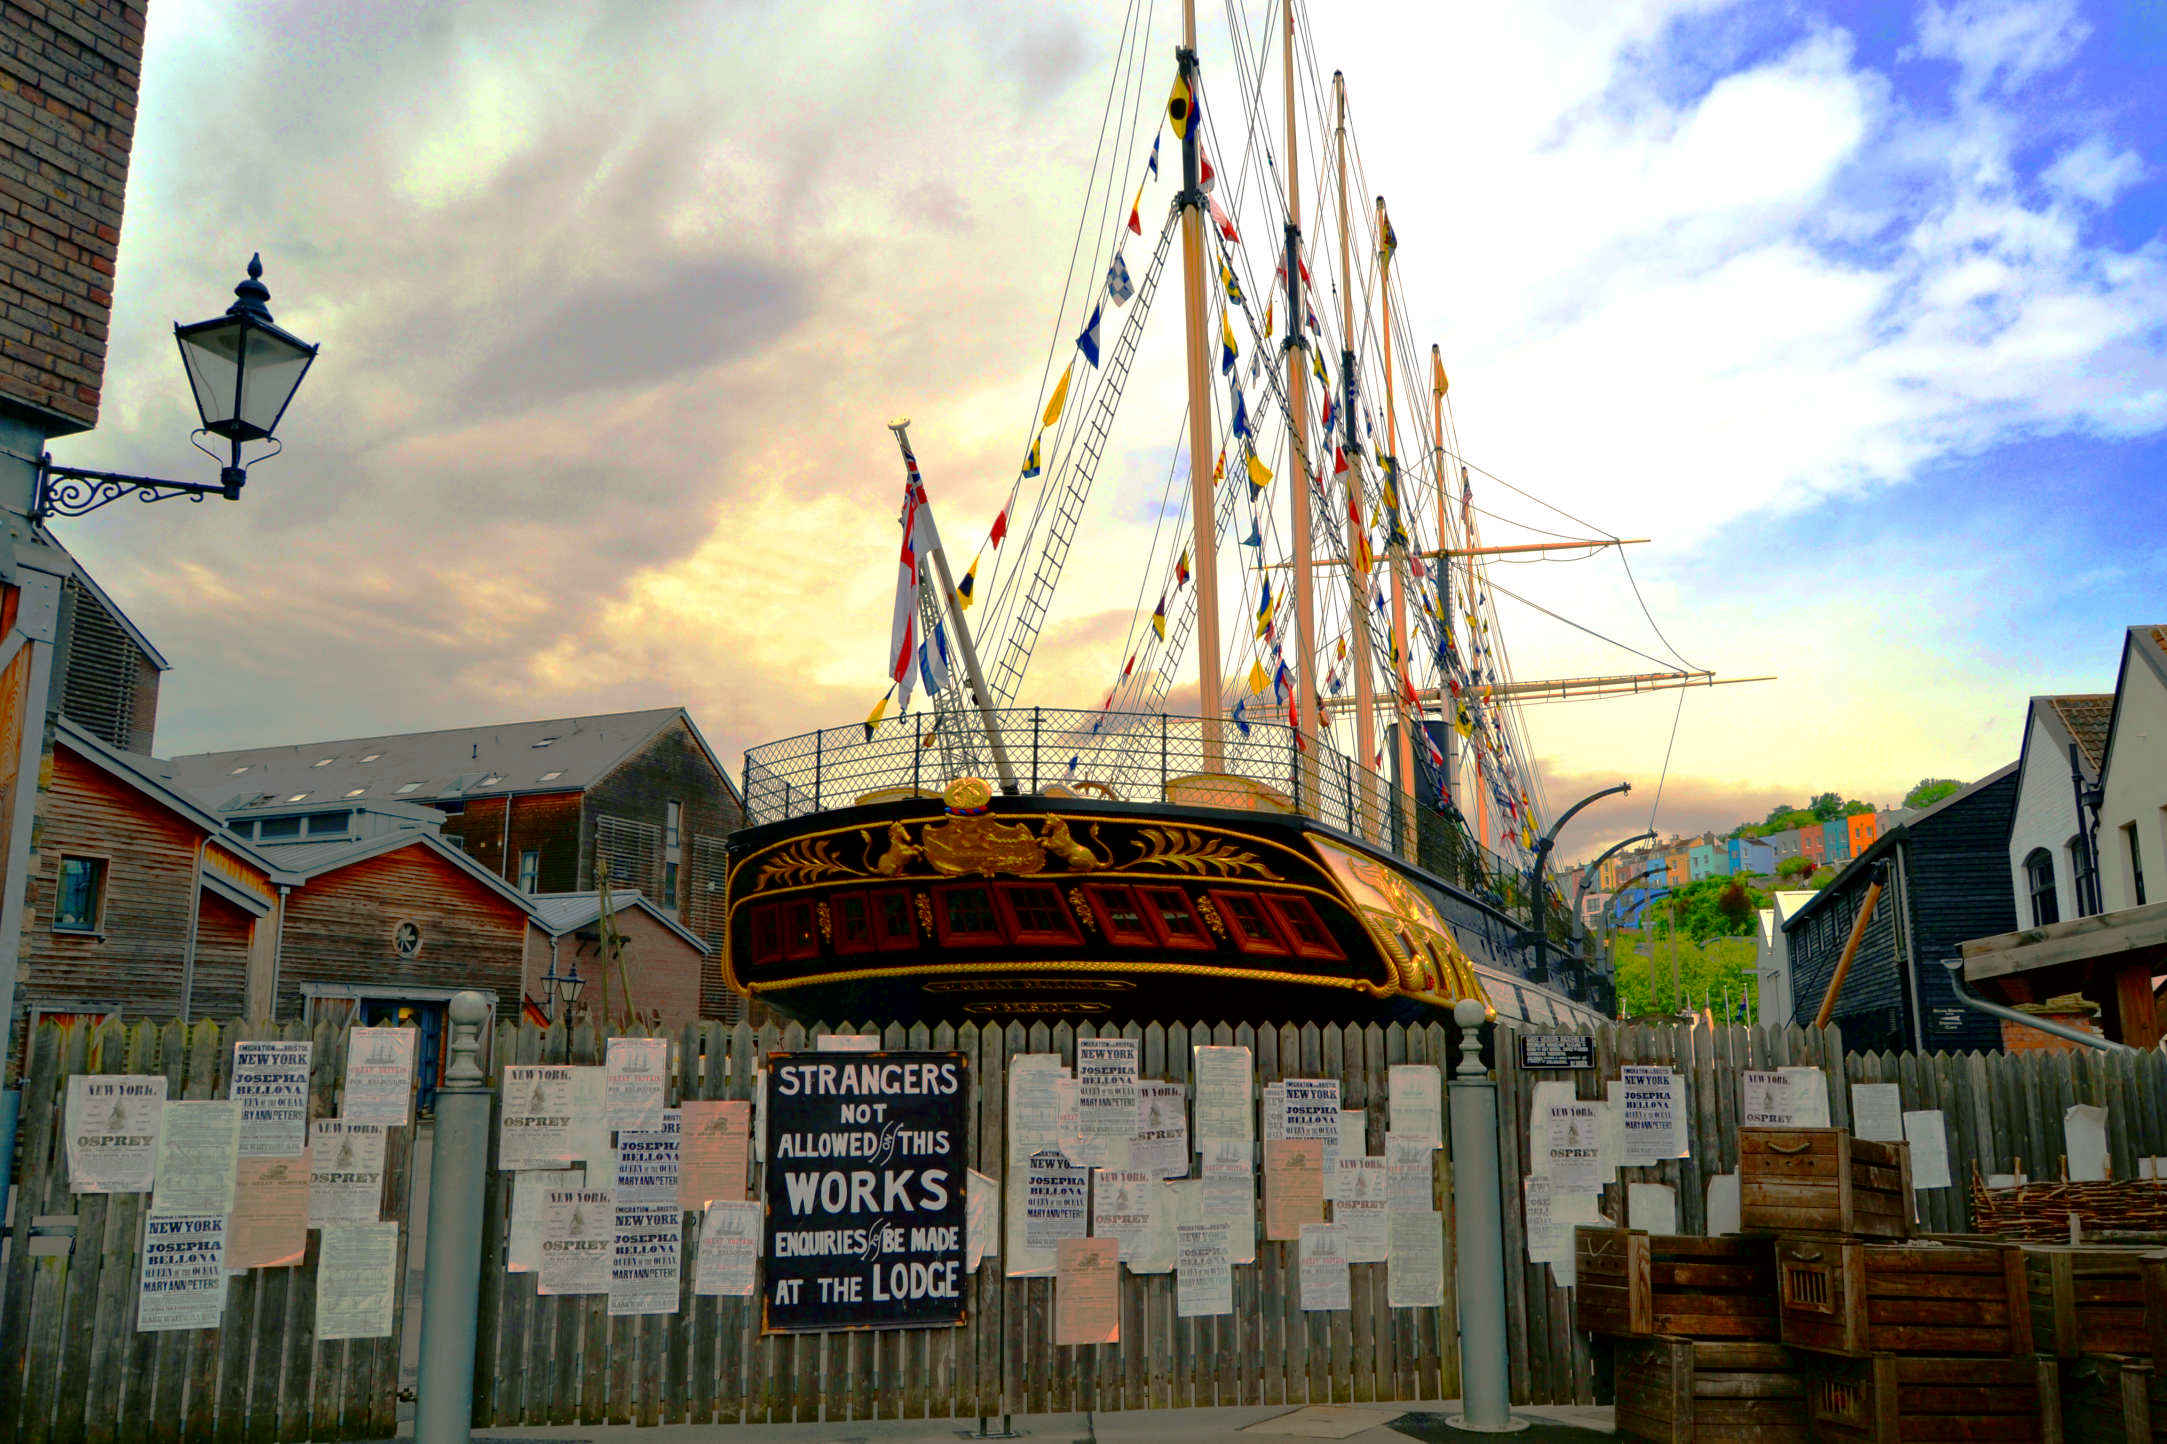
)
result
[(1240, 425), (1158, 619), (1260, 475), (880, 710), (1088, 342), (1000, 528), (1118, 286), (1241, 720), (1151, 167), (1181, 569), (1136, 214), (1206, 177), (1180, 108), (1233, 287), (1226, 227), (1257, 680), (1030, 463), (963, 588), (1059, 399), (1256, 534), (1228, 349)]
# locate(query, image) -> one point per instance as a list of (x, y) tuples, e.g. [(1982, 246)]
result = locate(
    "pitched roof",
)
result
[(313, 860), (2149, 643), (1886, 842), (561, 754), (564, 912), (2085, 716), (135, 772)]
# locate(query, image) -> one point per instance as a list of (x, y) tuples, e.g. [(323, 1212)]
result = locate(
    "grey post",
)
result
[(1478, 1235), (452, 1262)]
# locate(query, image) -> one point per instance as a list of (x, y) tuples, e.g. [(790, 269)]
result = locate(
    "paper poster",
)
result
[(269, 1224), (982, 1220), (1929, 1148), (1652, 1121), (112, 1126), (1312, 1109), (1651, 1207), (2084, 1142), (645, 1258), (1107, 1086), (729, 1249), (1415, 1273), (1161, 1145), (1125, 1207), (379, 1076), (590, 1121), (646, 1174), (1610, 1136), (1223, 1096), (1229, 1194), (1273, 1106), (270, 1082), (1032, 1129), (1086, 1292), (534, 1128), (847, 1043), (1351, 1141), (1538, 1126), (1569, 1211), (714, 1139), (1361, 1210), (1784, 1098), (346, 1172), (579, 1227), (1546, 1235), (1414, 1091), (1571, 1161), (1203, 1274), (530, 1193), (1722, 1204), (637, 1070), (1055, 1195), (357, 1268), (1323, 1257), (199, 1143), (183, 1284), (1294, 1186), (1877, 1112), (1409, 1176)]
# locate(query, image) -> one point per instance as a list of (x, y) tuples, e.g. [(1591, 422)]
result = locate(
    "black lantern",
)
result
[(561, 990)]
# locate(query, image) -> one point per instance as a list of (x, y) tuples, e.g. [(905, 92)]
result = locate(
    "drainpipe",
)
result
[(2011, 1015), (2087, 887)]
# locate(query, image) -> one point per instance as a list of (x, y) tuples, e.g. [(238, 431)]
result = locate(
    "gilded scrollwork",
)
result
[(1182, 850), (1210, 915), (1083, 911), (806, 861)]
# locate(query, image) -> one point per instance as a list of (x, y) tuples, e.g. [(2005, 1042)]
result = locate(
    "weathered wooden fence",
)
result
[(563, 1360), (73, 1367)]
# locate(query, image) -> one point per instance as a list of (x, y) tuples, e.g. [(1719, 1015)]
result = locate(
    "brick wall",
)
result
[(69, 71)]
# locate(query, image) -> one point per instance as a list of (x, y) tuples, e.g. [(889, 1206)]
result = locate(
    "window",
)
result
[(1300, 925), (2039, 883), (298, 797), (1035, 913), (323, 762), (1176, 916), (374, 757), (530, 870), (1120, 916), (894, 924), (964, 914), (244, 829), (2080, 868), (79, 901), (406, 787), (801, 931), (275, 827), (553, 776), (543, 743), (767, 934), (672, 816), (328, 824), (491, 780), (853, 922), (1250, 926), (236, 772), (356, 791), (2136, 864), (669, 887)]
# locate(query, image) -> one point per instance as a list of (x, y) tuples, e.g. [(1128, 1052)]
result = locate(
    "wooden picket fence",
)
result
[(556, 1360), (72, 1366)]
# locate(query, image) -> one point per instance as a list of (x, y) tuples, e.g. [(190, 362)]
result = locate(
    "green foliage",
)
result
[(1930, 791), (1822, 877), (1650, 972), (1714, 907), (1825, 807), (1794, 867)]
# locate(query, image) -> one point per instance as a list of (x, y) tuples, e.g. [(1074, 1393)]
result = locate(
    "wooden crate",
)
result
[(2091, 1299), (2108, 1400), (1635, 1284), (1841, 1296), (1884, 1399), (1822, 1180), (1677, 1391)]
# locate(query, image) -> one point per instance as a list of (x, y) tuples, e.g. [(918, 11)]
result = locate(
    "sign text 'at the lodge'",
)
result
[(865, 1190)]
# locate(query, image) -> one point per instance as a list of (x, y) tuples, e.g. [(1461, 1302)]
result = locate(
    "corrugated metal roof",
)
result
[(556, 754), (561, 912)]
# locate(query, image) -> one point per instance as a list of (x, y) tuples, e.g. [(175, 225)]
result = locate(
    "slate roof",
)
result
[(138, 772), (312, 860), (2086, 715), (563, 912), (562, 754)]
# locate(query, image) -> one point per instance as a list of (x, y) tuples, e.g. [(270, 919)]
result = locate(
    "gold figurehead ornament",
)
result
[(971, 840)]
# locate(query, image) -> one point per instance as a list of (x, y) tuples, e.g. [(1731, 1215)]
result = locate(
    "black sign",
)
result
[(1557, 1050), (866, 1189)]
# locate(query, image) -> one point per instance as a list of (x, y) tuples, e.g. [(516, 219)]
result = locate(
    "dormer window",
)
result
[(406, 787), (356, 792)]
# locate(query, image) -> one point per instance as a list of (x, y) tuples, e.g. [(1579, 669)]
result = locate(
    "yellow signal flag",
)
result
[(1260, 475), (1218, 468), (1439, 382), (1462, 723), (880, 710), (967, 586), (1257, 680), (1180, 107), (1059, 400)]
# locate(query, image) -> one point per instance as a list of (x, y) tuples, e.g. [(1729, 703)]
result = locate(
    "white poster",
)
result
[(1274, 1108), (1313, 1109), (647, 1164), (1095, 1150), (1610, 1136), (646, 1257), (1571, 1160), (1107, 1086), (1414, 1091), (183, 1283), (1877, 1112), (638, 1069), (1033, 1128), (1415, 1274), (270, 1082), (357, 1268), (579, 1227), (1722, 1204), (1784, 1098), (534, 1128), (1204, 1275), (1224, 1096), (590, 1118), (1652, 1121), (729, 1250), (1409, 1176), (199, 1142), (1651, 1207), (379, 1076), (1569, 1212), (1056, 1196), (1351, 1142), (1362, 1210), (346, 1172), (1229, 1194), (1161, 1145), (530, 1194), (1929, 1148), (112, 1126), (982, 1218), (1323, 1259), (847, 1043), (1122, 1207), (1546, 1235), (2084, 1142), (1538, 1124)]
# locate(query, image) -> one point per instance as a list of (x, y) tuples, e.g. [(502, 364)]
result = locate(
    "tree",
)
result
[(1825, 807), (1794, 866), (1736, 903), (1930, 791), (1854, 807)]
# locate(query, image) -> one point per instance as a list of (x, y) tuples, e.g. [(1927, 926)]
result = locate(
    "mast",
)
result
[(1210, 686), (1442, 579), (1298, 471), (1396, 550), (1365, 705)]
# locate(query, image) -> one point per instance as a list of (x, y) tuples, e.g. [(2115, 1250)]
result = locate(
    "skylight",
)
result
[(373, 757), (236, 772), (490, 781), (356, 792), (298, 797), (553, 776), (543, 743), (406, 787), (323, 762)]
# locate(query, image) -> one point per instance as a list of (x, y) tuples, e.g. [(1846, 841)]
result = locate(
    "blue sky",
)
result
[(1860, 311)]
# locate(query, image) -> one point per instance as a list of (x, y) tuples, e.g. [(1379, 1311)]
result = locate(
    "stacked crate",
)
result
[(2102, 1311)]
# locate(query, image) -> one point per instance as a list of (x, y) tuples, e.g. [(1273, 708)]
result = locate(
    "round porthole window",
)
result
[(406, 939)]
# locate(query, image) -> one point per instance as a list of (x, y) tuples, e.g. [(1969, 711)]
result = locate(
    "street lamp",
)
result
[(1587, 874), (562, 990), (1542, 858), (243, 370)]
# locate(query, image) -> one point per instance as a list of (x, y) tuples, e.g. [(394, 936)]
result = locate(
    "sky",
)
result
[(1858, 312)]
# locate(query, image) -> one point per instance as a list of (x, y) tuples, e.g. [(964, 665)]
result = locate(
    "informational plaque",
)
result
[(579, 1236), (183, 1284), (534, 1128), (1107, 1086), (1361, 1210), (646, 1255), (269, 1224), (647, 1164), (530, 1195), (1203, 1274), (1161, 1145), (714, 1139), (866, 1190), (1415, 1094), (1294, 1186), (1877, 1112), (112, 1126), (1056, 1197), (270, 1082), (1224, 1095), (1652, 1122), (729, 1250), (1087, 1292), (346, 1172), (1557, 1050), (198, 1146), (1415, 1274), (1323, 1258), (1929, 1142), (637, 1071), (379, 1076), (357, 1270)]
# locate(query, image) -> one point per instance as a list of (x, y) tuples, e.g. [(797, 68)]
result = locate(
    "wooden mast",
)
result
[(1396, 549), (1365, 707), (1442, 580), (1202, 511), (1299, 478)]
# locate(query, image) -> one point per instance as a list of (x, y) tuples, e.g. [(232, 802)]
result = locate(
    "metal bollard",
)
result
[(452, 1261), (1479, 1235)]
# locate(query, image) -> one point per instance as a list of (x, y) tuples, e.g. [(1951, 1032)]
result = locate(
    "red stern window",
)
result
[(894, 926), (801, 931), (1035, 913), (1250, 925), (767, 934), (964, 915), (1176, 916), (1121, 917), (1300, 925), (853, 923)]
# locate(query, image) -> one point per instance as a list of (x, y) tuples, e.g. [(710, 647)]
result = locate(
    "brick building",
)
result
[(666, 968)]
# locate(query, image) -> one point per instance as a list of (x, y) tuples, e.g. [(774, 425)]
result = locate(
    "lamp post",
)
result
[(1587, 874), (562, 990), (243, 370), (1542, 858)]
